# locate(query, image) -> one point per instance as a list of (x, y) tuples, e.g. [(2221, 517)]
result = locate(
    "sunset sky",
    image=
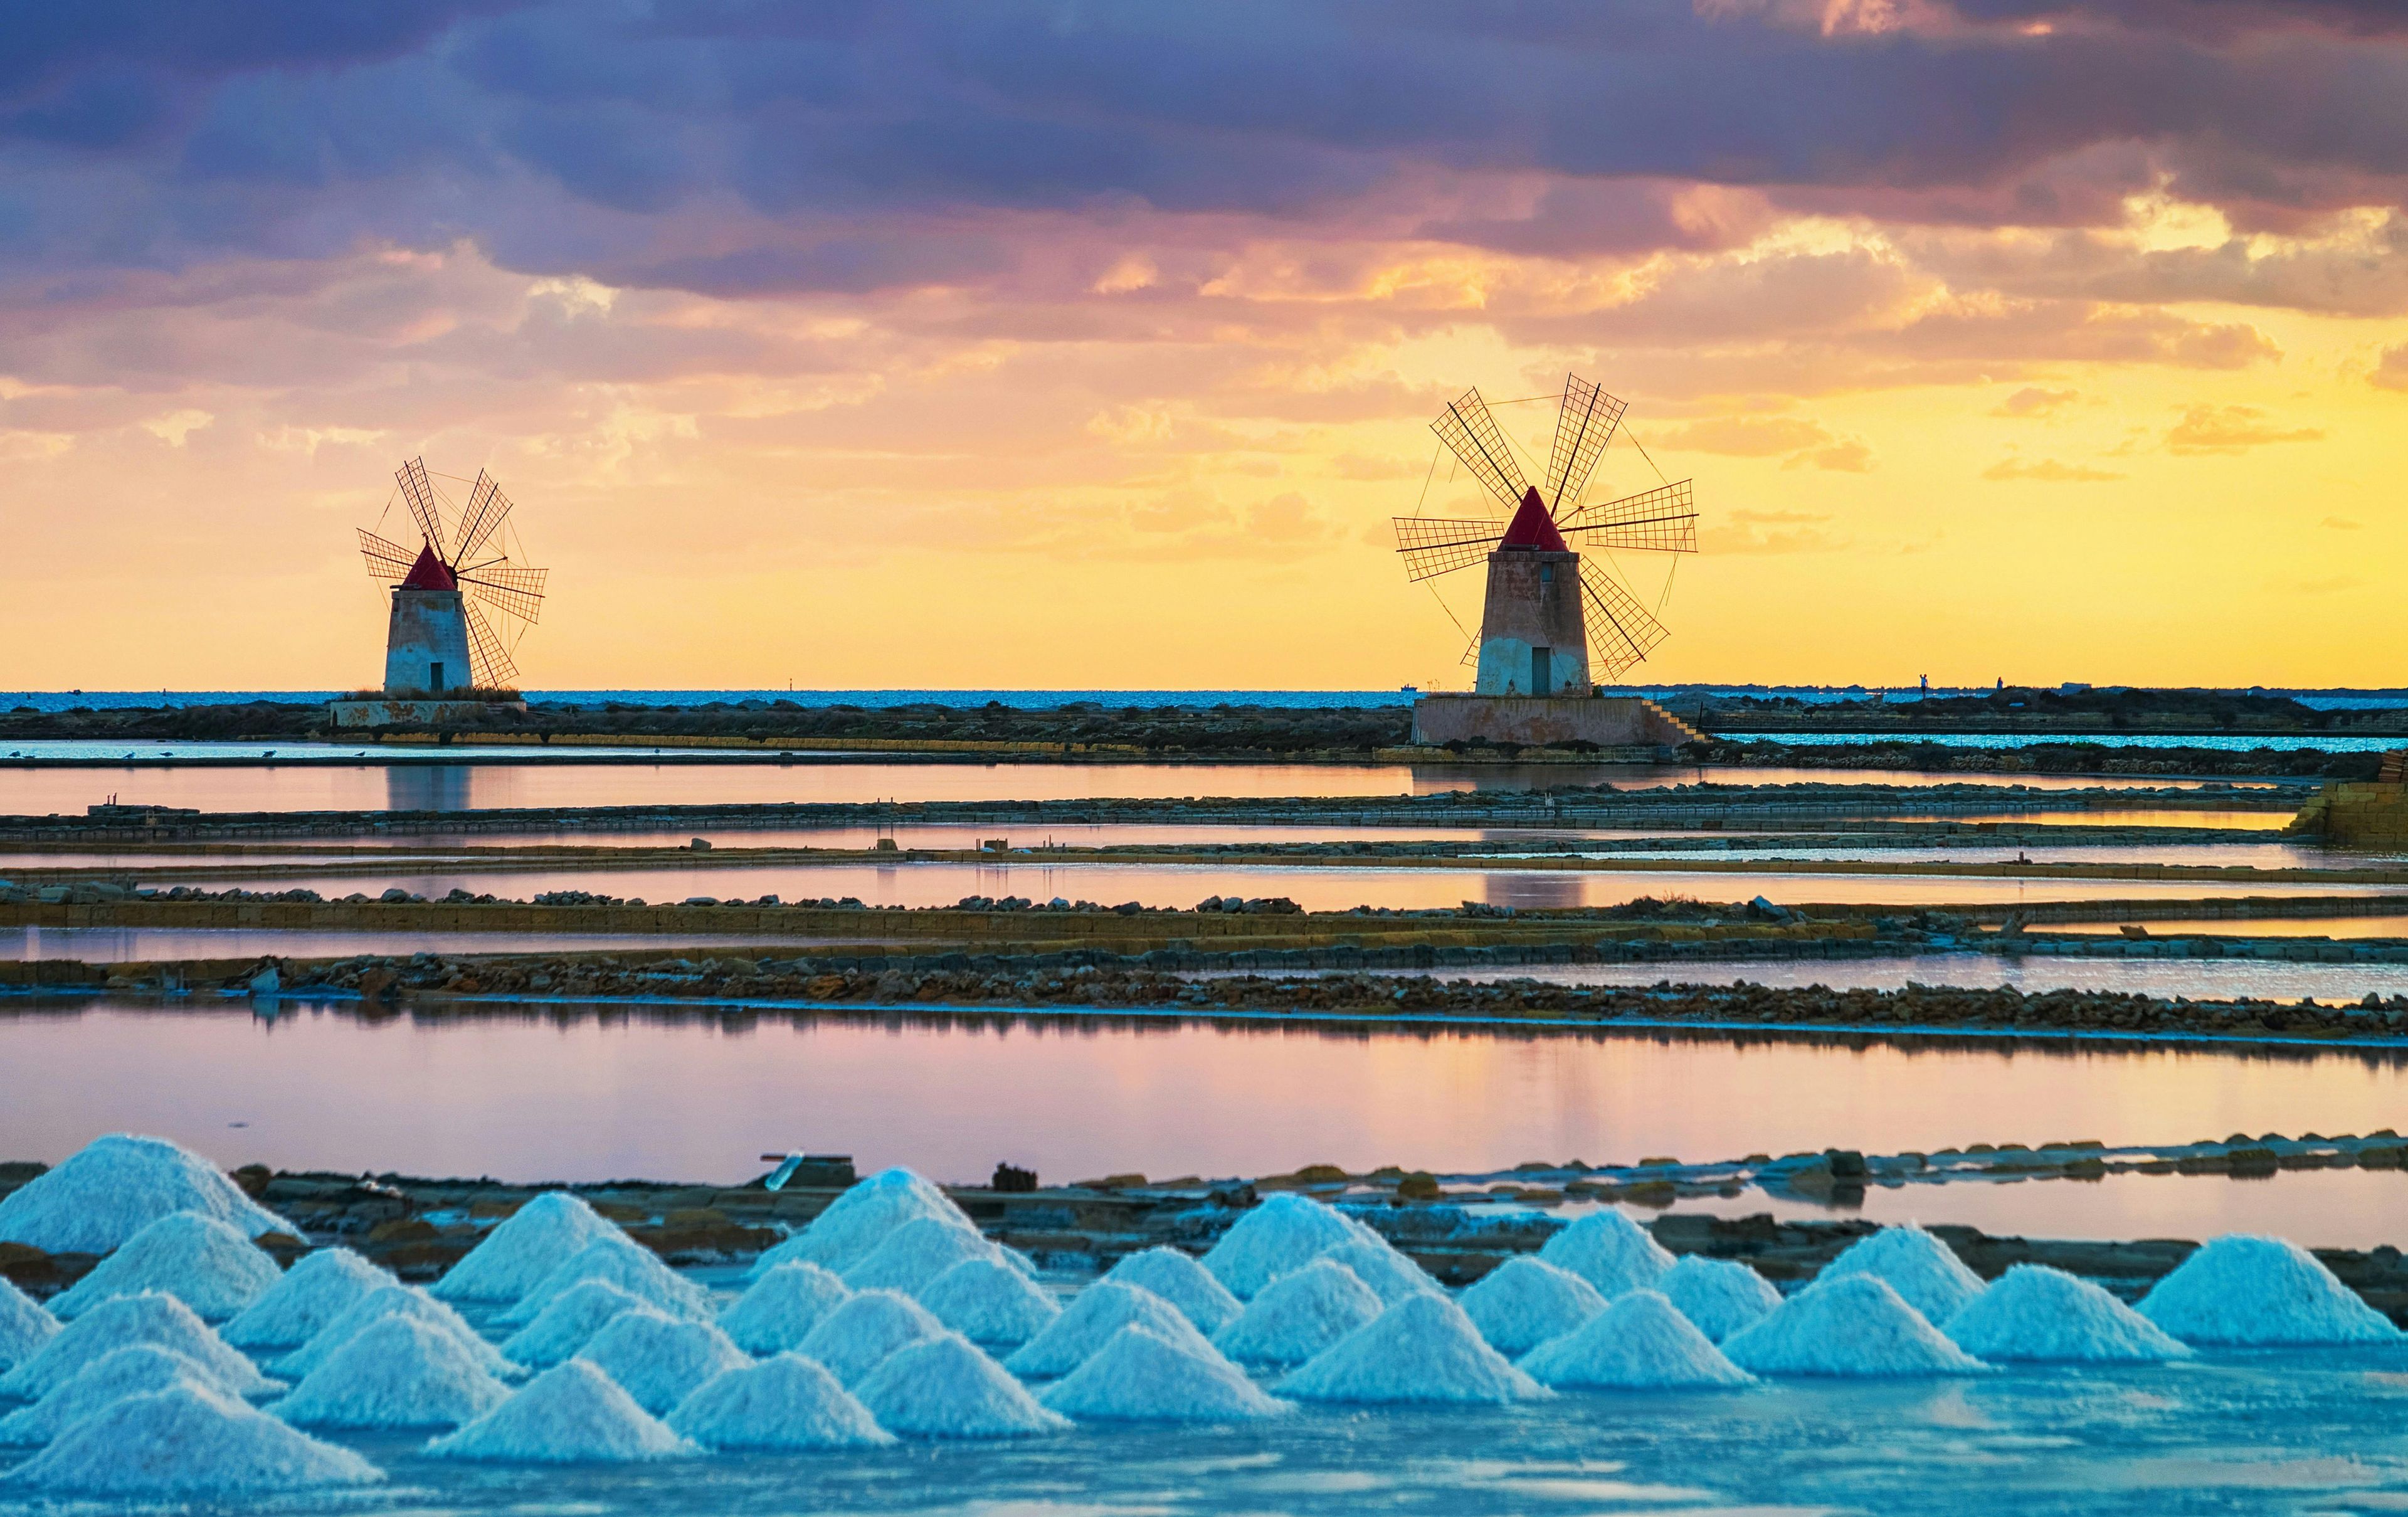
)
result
[(1094, 345)]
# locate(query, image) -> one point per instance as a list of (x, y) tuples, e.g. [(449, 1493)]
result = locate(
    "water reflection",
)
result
[(431, 787)]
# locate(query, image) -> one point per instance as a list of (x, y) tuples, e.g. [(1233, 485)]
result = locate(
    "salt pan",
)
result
[(1297, 1315), (779, 1310), (528, 1244), (1093, 1316), (185, 1442), (308, 1297), (1284, 1233), (113, 1187), (137, 1369), (199, 1260), (866, 1327), (915, 1253), (622, 1262), (859, 1220), (1177, 1279), (2262, 1293), (660, 1359), (1423, 1349), (1524, 1302), (128, 1320), (1919, 1266), (1640, 1342), (1720, 1296), (782, 1403), (1377, 1263), (570, 1414), (1610, 1251), (945, 1388), (2033, 1312), (566, 1326), (394, 1372), (388, 1301), (24, 1328), (1139, 1376), (1854, 1324), (988, 1302)]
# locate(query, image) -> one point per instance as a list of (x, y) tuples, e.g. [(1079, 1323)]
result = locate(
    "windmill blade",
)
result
[(1620, 630), (487, 510), (1467, 428), (387, 561), (419, 492), (1659, 520), (1583, 426), (513, 592), (489, 661), (1433, 545)]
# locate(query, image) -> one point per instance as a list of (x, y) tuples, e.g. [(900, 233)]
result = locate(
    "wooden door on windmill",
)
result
[(1541, 671)]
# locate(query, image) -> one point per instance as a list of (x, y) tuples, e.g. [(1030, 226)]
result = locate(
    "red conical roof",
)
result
[(432, 573), (1533, 527)]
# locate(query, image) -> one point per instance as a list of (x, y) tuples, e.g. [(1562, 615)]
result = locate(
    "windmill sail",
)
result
[(1583, 426), (420, 493), (1663, 521), (488, 508), (1433, 545), (1621, 632), (508, 589), (386, 560), (1467, 427), (489, 661)]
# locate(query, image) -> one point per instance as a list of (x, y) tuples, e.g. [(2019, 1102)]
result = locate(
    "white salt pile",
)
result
[(137, 1369), (1139, 1376), (2033, 1312), (915, 1253), (1919, 1266), (859, 1220), (528, 1244), (126, 1321), (2260, 1293), (1177, 1279), (390, 1301), (313, 1292), (1422, 1349), (622, 1262), (570, 1414), (1853, 1325), (864, 1328), (1720, 1296), (1610, 1251), (184, 1443), (658, 1358), (1377, 1263), (1284, 1233), (946, 1388), (988, 1302), (394, 1372), (1297, 1315), (198, 1260), (566, 1326), (1640, 1342), (779, 1310), (24, 1328), (1093, 1316), (1525, 1301), (113, 1187), (782, 1403)]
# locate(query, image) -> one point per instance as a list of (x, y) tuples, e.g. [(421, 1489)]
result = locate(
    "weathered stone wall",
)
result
[(1534, 601), (428, 637), (2357, 815), (1606, 721)]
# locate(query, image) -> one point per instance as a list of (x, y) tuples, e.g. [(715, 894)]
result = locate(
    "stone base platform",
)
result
[(414, 713), (1604, 721)]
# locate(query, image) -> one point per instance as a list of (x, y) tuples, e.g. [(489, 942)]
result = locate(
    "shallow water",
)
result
[(125, 945)]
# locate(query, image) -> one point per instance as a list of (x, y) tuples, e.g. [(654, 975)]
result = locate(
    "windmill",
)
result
[(1556, 617), (439, 639)]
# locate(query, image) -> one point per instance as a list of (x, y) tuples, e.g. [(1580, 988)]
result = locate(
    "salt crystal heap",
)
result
[(1524, 1302), (864, 1328), (137, 1369), (988, 1302), (198, 1260), (395, 1373), (128, 1320), (658, 1358), (1177, 1279), (779, 1310), (1853, 1325), (1720, 1296), (1920, 1267), (1423, 1349), (389, 1301), (1376, 1262), (2033, 1312), (784, 1403), (1283, 1234), (917, 1253), (2247, 1292), (184, 1443), (1297, 1316), (858, 1221), (566, 1326), (1139, 1376), (570, 1414), (528, 1244), (1093, 1316), (945, 1388), (318, 1288), (619, 1259), (1640, 1342), (113, 1187), (24, 1328), (1610, 1251)]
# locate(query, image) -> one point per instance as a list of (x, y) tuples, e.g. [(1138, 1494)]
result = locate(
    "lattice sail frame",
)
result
[(475, 559)]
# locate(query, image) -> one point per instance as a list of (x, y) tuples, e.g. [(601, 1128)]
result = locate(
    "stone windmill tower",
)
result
[(439, 641)]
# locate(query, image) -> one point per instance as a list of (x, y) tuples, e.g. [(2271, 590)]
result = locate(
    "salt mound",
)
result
[(113, 1187), (185, 1442), (394, 1372), (1640, 1342), (528, 1244), (1093, 1316), (859, 1220), (2248, 1292), (570, 1414), (1923, 1269), (1139, 1376), (864, 1328), (198, 1260), (1610, 1251), (394, 1300), (1377, 1263), (121, 1323), (1720, 1296), (566, 1326), (782, 1403), (1850, 1324), (915, 1253), (1297, 1315), (659, 1358), (1282, 1234), (2033, 1312), (311, 1293), (988, 1302), (137, 1369), (1524, 1302), (1177, 1279), (24, 1328), (1422, 1349), (946, 1388), (779, 1310), (622, 1262)]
